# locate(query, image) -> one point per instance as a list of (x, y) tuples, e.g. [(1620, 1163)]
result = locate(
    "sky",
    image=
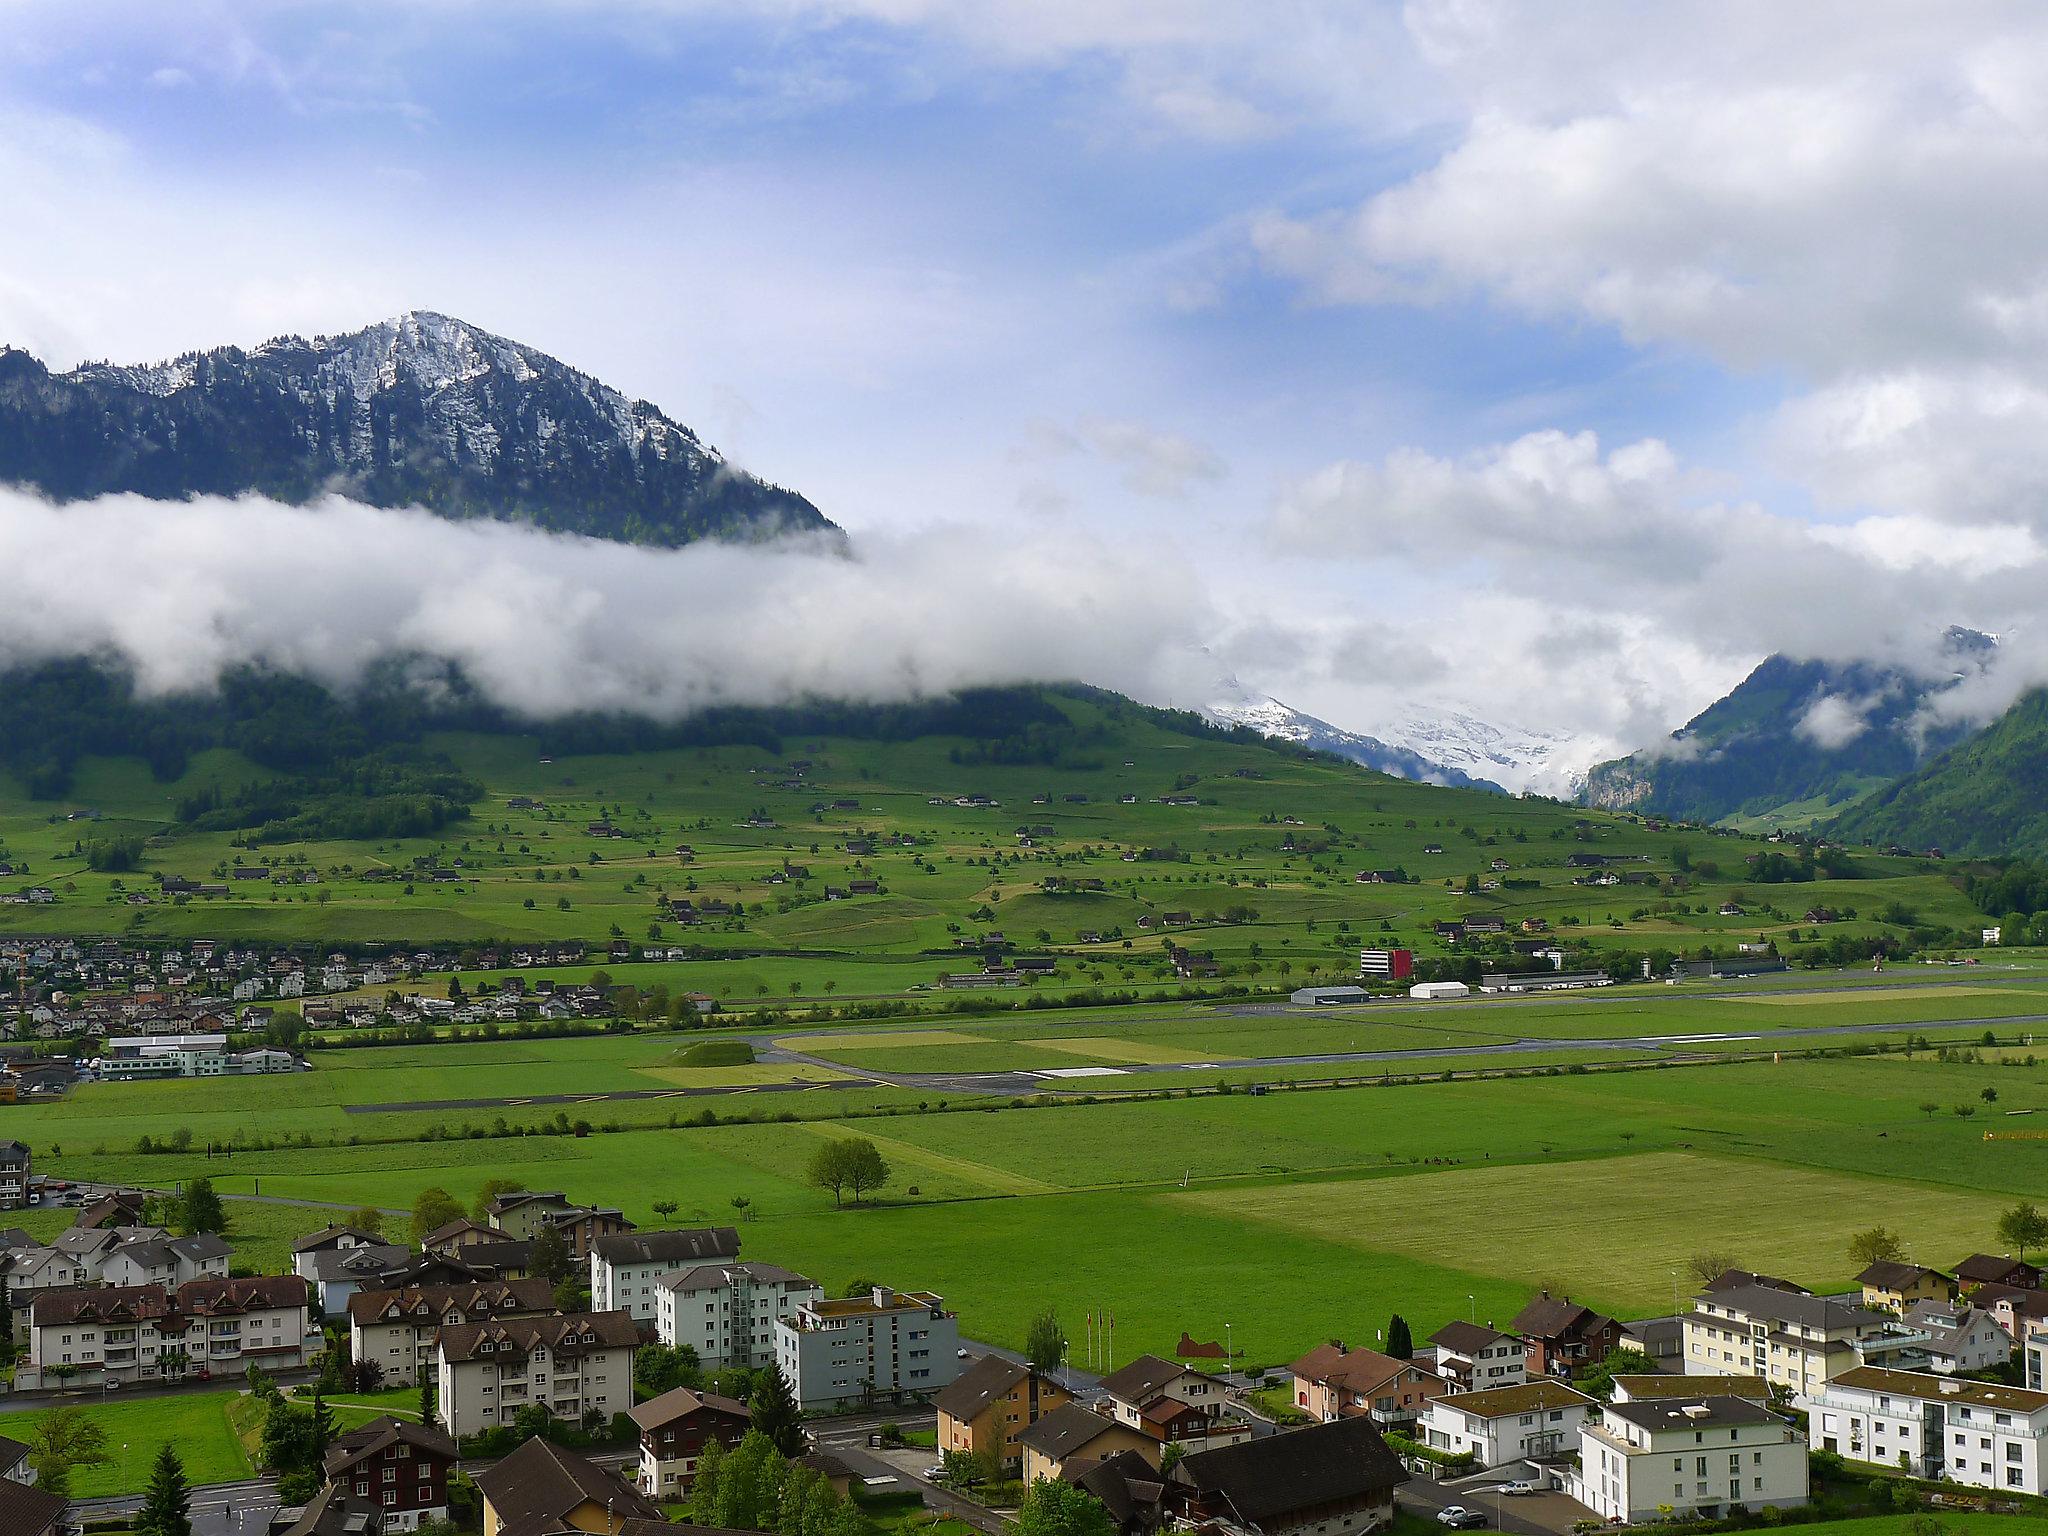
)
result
[(1550, 363)]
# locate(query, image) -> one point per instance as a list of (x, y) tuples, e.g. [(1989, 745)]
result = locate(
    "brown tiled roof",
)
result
[(1057, 1435), (332, 1232), (472, 1297), (682, 1402), (372, 1438), (576, 1331), (533, 1488), (1525, 1397), (1362, 1371), (1549, 1317), (989, 1378), (97, 1303), (1264, 1481), (1887, 1275), (1142, 1380), (220, 1296), (29, 1511), (1462, 1338)]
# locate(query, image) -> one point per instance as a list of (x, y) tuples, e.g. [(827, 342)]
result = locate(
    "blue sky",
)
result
[(1358, 309)]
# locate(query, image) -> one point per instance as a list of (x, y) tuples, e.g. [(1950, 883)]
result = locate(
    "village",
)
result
[(542, 1362)]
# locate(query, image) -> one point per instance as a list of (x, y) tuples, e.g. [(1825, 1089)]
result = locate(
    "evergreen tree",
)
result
[(166, 1507), (199, 1208), (551, 1256), (773, 1412), (1399, 1344), (426, 1400), (321, 1434)]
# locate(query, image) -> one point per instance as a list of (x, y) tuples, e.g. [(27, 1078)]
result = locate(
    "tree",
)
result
[(367, 1219), (829, 1170), (167, 1506), (1045, 1341), (1708, 1263), (489, 1190), (199, 1208), (868, 1171), (427, 1401), (1400, 1344), (1054, 1508), (1878, 1245), (321, 1432), (550, 1256), (64, 1438), (665, 1209), (773, 1411), (433, 1207), (2023, 1228)]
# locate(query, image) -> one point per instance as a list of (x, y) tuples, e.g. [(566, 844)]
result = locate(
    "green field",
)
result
[(196, 1423)]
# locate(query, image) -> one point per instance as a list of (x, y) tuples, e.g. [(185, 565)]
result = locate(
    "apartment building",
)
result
[(885, 1344), (728, 1312), (988, 1407), (1505, 1424), (210, 1327), (1937, 1427), (575, 1366), (626, 1266), (1697, 1456), (396, 1329), (1792, 1340)]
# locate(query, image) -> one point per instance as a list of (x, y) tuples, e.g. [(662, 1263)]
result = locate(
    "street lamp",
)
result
[(1229, 1355)]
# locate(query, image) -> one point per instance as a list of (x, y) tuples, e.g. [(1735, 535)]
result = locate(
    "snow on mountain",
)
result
[(1237, 705), (1515, 757)]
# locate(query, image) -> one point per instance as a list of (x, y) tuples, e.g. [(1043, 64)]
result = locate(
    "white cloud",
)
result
[(1833, 721)]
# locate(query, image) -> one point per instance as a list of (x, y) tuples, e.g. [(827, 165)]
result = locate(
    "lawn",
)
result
[(195, 1422)]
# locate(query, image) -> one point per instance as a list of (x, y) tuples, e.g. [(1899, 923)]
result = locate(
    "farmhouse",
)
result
[(1564, 1337), (393, 1471)]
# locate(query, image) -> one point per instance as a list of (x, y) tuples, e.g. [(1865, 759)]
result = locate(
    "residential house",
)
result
[(1704, 1456), (885, 1344), (1793, 1341), (727, 1312), (1171, 1403), (336, 1274), (1071, 1438), (1507, 1424), (397, 1470), (674, 1429), (1954, 1338), (987, 1408), (146, 1333), (575, 1366), (396, 1329), (1333, 1479), (15, 1163), (1126, 1485), (1471, 1357), (2014, 1310), (1890, 1286), (1973, 1432), (1564, 1338), (624, 1267), (167, 1261), (542, 1489), (1995, 1269), (1335, 1380), (15, 1466)]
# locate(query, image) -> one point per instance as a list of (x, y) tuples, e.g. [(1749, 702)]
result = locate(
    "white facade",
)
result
[(727, 1312), (1790, 1339), (626, 1269), (1973, 1432), (1653, 1461), (136, 1335), (1427, 990), (1507, 1424), (573, 1366), (875, 1346)]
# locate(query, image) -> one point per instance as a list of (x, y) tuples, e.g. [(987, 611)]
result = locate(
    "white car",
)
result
[(1515, 1488)]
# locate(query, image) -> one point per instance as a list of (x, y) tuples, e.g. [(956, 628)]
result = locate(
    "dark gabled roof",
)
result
[(698, 1276), (331, 1233), (1126, 1484), (681, 1403), (989, 1378), (1889, 1275), (1778, 1306), (334, 1513), (12, 1454), (1462, 1338), (498, 1297), (1741, 1279), (1143, 1379), (1551, 1317), (100, 1303), (1263, 1481), (1057, 1435), (1988, 1266), (29, 1511), (577, 1330), (1690, 1412), (531, 1489), (371, 1439), (678, 1246)]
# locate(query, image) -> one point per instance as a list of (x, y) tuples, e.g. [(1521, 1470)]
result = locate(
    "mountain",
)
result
[(1793, 743), (1516, 757), (422, 410), (1238, 705), (1987, 795)]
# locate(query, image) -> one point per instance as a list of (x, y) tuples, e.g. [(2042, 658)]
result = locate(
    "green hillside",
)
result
[(859, 864), (1987, 796)]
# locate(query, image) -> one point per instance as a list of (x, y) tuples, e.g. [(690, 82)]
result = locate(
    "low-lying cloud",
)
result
[(547, 624)]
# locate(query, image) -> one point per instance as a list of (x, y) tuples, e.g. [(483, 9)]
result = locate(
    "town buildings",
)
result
[(392, 1469), (1336, 1380), (1971, 1432), (1472, 1357), (150, 1333), (1705, 1456), (626, 1266), (1563, 1336), (396, 1329), (886, 1344), (1333, 1479), (728, 1312), (1503, 1424), (674, 1430), (579, 1367), (987, 1408)]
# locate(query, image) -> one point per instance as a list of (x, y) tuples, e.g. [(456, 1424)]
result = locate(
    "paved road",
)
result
[(218, 1509)]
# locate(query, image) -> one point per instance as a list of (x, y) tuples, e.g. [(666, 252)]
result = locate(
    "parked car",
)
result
[(934, 1472), (1459, 1518), (1515, 1488)]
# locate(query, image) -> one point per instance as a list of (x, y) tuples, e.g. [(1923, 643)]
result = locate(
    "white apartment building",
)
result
[(1700, 1456), (882, 1345), (167, 1261), (1792, 1340), (727, 1312), (625, 1267), (398, 1328), (1507, 1424), (573, 1365), (1973, 1432), (204, 1328)]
